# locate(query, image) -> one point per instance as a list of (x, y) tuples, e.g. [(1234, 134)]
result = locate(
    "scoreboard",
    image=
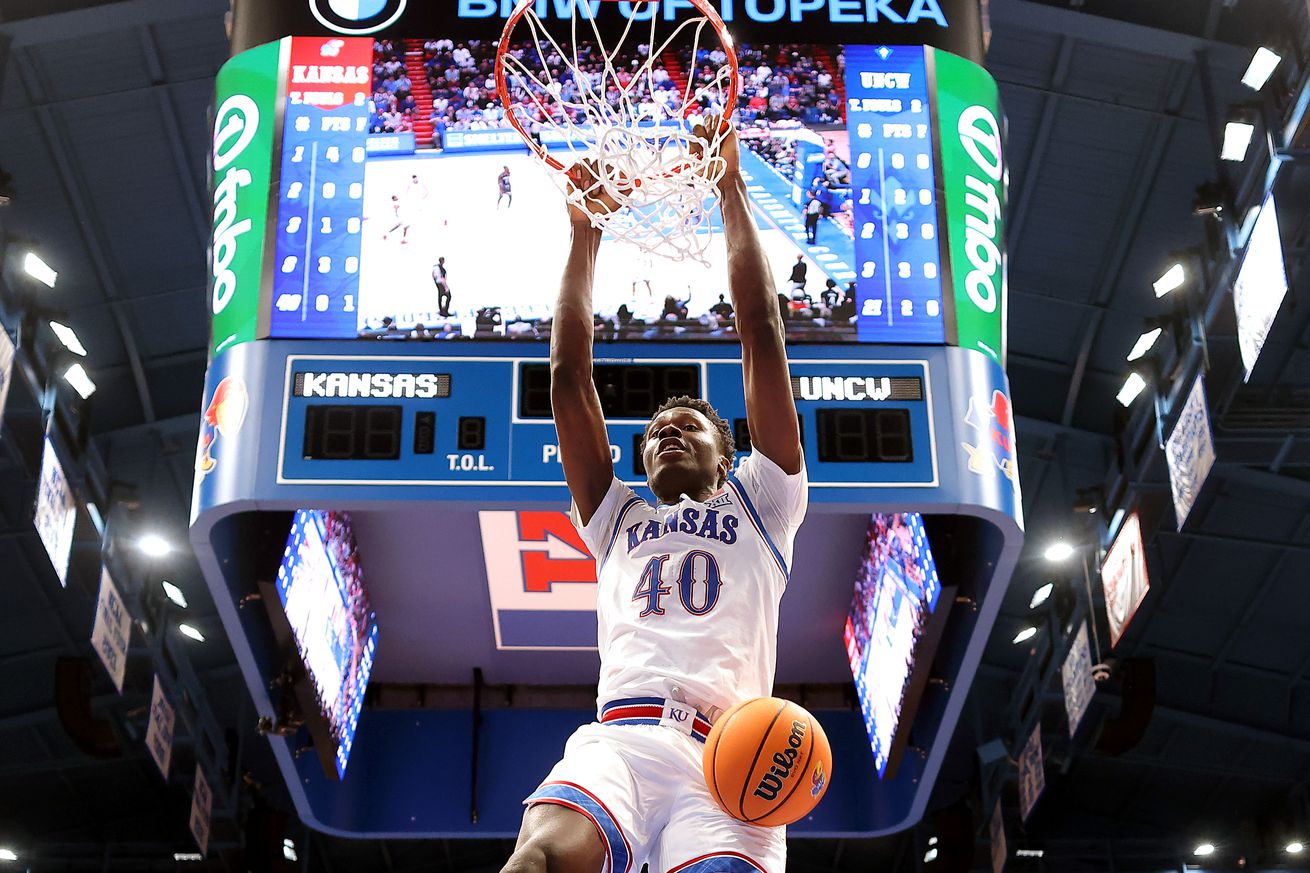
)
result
[(340, 380)]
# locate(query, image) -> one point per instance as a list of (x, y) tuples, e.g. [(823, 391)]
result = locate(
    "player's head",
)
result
[(395, 197), (687, 449)]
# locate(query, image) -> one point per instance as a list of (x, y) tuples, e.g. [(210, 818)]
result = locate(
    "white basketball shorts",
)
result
[(644, 789)]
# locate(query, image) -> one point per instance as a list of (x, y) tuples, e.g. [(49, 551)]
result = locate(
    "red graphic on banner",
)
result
[(565, 557)]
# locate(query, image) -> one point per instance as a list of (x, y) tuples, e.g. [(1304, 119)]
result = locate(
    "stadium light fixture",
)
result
[(8, 855), (1262, 66), (1025, 635), (1295, 847), (930, 855), (76, 376), (1132, 387), (289, 850), (174, 593), (39, 269), (154, 545), (1237, 139), (188, 631), (1145, 343), (1058, 551), (68, 338), (1041, 595), (1172, 280), (1204, 849)]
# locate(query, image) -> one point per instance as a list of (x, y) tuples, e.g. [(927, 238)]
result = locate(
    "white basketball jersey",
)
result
[(688, 594)]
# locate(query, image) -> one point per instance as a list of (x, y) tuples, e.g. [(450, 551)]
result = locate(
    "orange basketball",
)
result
[(767, 762)]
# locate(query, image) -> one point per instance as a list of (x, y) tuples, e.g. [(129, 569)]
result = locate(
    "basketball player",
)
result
[(504, 188), (439, 278), (687, 605), (401, 214)]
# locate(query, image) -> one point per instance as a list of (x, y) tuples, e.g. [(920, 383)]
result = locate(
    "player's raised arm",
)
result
[(770, 408), (579, 421)]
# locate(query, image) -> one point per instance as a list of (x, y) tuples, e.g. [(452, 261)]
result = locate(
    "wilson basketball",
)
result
[(767, 762)]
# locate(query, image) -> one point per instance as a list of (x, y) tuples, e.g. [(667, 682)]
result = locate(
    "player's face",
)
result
[(682, 455)]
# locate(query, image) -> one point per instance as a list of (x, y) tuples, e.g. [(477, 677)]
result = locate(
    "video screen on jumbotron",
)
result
[(409, 208), (321, 587), (896, 590)]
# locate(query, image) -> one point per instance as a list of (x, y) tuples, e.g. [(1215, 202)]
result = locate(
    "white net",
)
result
[(628, 108)]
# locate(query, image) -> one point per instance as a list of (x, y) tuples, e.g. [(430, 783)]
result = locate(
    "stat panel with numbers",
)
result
[(321, 189), (894, 195)]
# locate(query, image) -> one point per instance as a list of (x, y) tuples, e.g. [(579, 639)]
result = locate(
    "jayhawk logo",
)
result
[(995, 426), (817, 780)]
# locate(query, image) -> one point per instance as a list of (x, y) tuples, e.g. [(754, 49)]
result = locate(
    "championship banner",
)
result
[(6, 370), (202, 802), (1123, 576), (1261, 285), (1190, 451), (997, 830), (56, 512), (542, 581), (159, 735), (1076, 676), (1032, 774), (112, 630)]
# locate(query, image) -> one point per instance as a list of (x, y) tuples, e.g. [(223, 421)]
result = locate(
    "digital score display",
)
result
[(319, 218), (897, 250), (626, 390), (353, 432)]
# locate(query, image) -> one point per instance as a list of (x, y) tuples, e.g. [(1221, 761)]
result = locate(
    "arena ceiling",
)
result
[(1113, 111)]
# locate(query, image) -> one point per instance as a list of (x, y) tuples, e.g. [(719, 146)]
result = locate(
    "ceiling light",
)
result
[(289, 850), (1261, 68), (1133, 386), (8, 855), (174, 593), (154, 545), (1029, 853), (1024, 635), (188, 631), (1058, 551), (1204, 849), (1237, 138), (188, 856), (68, 338), (1295, 847), (930, 855), (81, 382), (1145, 343), (1173, 278), (39, 269), (1040, 595)]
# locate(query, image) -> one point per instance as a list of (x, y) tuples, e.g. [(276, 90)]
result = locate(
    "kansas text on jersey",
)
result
[(689, 593)]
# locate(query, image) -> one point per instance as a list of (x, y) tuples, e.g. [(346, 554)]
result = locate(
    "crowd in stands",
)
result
[(393, 106), (778, 84)]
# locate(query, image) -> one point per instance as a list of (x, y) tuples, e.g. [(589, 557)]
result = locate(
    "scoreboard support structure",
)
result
[(458, 437)]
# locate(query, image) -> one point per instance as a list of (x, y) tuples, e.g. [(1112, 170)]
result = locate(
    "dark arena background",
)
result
[(287, 577)]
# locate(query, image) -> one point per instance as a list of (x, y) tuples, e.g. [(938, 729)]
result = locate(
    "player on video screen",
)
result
[(687, 604), (505, 189)]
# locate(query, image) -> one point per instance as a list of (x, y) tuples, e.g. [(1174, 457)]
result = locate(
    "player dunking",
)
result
[(687, 606)]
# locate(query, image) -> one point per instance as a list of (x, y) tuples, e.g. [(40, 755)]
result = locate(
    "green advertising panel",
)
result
[(245, 98), (973, 181)]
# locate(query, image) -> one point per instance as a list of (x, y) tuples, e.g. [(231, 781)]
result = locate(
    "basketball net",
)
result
[(577, 97)]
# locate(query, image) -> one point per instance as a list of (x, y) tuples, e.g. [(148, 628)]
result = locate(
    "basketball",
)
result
[(767, 762)]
